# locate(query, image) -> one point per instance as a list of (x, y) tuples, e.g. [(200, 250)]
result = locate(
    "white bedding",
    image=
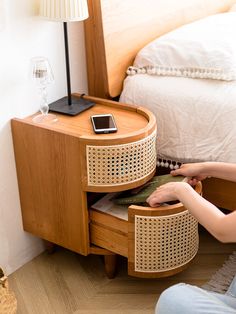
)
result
[(196, 119)]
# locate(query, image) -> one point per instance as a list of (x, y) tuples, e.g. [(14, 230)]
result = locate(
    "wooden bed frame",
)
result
[(116, 30)]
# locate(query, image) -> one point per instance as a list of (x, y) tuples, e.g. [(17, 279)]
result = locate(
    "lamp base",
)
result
[(78, 105)]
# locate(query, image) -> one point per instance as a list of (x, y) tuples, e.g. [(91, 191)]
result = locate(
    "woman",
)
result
[(188, 299)]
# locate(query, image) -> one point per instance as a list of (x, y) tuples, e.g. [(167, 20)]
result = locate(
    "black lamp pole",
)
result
[(69, 105), (67, 63)]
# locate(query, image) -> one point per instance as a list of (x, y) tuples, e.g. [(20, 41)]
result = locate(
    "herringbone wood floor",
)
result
[(66, 283)]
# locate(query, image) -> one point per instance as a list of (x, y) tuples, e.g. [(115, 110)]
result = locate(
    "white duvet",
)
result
[(196, 118)]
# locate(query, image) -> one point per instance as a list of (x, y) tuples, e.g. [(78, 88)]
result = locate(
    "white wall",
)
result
[(24, 35)]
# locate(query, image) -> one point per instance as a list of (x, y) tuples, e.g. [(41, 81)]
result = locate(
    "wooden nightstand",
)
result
[(61, 166), (57, 164)]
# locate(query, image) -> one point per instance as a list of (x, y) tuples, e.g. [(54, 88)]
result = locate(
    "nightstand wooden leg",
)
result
[(50, 247), (109, 260), (110, 265)]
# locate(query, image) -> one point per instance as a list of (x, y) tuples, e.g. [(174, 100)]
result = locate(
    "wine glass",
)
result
[(41, 74)]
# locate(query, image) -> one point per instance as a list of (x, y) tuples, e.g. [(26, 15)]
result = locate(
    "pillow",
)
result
[(203, 49)]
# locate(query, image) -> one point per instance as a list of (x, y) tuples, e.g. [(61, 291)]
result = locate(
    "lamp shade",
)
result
[(64, 10)]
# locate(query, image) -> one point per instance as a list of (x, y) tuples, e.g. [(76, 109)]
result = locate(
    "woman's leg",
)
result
[(187, 299)]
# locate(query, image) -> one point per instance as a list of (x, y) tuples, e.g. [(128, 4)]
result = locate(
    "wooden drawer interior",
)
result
[(109, 232)]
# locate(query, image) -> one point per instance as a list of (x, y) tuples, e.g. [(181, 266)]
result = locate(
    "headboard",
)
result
[(117, 29)]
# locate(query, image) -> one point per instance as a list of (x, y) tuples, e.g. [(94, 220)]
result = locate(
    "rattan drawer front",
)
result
[(165, 243), (121, 164)]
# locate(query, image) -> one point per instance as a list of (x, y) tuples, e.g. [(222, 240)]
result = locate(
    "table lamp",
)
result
[(66, 11)]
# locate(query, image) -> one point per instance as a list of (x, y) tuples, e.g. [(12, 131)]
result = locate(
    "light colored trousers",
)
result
[(187, 299)]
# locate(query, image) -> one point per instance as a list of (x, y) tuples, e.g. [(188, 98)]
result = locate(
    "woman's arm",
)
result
[(199, 171), (221, 226)]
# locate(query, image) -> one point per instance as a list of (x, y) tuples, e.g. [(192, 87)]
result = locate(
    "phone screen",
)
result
[(104, 123)]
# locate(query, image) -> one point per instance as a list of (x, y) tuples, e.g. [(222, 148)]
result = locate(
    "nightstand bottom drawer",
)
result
[(158, 242)]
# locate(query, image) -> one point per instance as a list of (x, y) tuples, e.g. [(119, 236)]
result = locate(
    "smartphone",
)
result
[(104, 123)]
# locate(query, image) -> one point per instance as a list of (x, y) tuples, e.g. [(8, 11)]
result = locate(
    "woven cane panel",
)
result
[(165, 242), (121, 164)]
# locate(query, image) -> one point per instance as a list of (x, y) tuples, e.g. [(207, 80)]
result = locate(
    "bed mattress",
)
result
[(196, 118)]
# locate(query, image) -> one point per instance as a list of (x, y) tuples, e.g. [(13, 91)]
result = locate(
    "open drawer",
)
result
[(158, 242)]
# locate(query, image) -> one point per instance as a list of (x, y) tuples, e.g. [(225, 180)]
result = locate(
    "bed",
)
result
[(195, 117)]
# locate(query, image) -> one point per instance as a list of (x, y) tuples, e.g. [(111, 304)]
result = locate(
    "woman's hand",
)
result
[(165, 193), (195, 172)]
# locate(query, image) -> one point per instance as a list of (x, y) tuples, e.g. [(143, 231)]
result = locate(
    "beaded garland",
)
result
[(190, 72), (173, 165)]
